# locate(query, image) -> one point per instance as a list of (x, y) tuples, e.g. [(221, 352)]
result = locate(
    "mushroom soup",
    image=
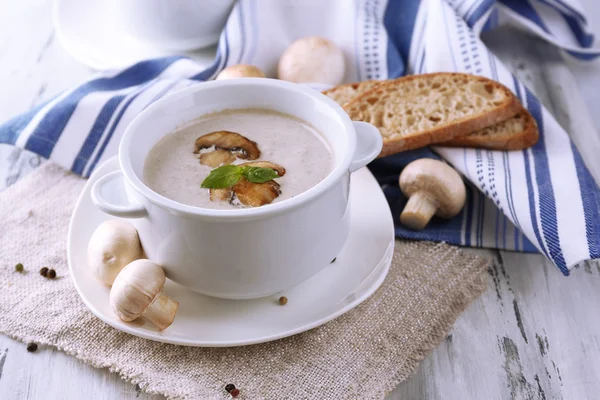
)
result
[(242, 158)]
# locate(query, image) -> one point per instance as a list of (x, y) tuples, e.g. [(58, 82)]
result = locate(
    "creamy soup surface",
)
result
[(174, 171)]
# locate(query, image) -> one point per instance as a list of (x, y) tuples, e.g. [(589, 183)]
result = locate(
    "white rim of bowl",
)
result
[(340, 169)]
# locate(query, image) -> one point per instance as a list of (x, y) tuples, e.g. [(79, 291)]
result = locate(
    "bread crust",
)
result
[(511, 140), (348, 91)]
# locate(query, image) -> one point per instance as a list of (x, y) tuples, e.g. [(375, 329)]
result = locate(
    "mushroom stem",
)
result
[(419, 209), (162, 311)]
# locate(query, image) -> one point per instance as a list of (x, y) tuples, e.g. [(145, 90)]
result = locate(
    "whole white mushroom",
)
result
[(113, 245), (312, 59), (433, 188), (138, 291), (240, 71)]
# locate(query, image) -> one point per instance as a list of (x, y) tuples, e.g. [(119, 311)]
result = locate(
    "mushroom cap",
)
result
[(240, 71), (312, 59), (230, 141), (113, 245), (438, 181), (135, 288), (256, 194)]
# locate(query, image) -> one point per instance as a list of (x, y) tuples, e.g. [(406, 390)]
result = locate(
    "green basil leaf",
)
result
[(222, 177), (258, 174)]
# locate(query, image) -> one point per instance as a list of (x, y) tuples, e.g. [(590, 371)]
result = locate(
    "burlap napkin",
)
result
[(362, 354)]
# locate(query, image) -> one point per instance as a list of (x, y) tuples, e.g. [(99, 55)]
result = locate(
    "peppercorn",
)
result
[(31, 347), (332, 261), (51, 274), (229, 387), (44, 271), (283, 300), (235, 393), (19, 267)]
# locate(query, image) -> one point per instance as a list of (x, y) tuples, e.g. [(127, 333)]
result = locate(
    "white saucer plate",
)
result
[(86, 30), (210, 322)]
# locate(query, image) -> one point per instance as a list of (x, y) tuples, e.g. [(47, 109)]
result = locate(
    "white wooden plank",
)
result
[(51, 374), (528, 337)]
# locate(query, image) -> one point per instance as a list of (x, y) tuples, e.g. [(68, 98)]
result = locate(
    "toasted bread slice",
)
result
[(516, 133), (344, 93), (419, 110)]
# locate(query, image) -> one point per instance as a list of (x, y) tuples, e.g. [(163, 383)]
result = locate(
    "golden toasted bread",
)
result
[(419, 110)]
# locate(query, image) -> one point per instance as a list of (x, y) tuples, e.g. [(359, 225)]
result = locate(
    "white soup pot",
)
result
[(250, 252)]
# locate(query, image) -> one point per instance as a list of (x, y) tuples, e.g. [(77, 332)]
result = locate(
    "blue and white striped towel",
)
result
[(541, 199)]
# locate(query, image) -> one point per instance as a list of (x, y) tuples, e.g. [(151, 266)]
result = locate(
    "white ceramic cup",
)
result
[(251, 252), (178, 25)]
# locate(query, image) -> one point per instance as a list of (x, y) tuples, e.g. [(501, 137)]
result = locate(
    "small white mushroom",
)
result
[(137, 291), (433, 187), (312, 60), (240, 71), (113, 245)]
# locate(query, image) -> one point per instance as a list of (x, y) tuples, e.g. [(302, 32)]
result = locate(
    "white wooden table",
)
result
[(533, 335)]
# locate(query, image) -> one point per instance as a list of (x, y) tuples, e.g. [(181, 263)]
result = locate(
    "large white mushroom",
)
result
[(433, 188), (137, 292), (312, 59), (113, 245), (241, 71)]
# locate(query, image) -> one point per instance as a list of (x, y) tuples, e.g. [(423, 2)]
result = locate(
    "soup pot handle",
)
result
[(108, 194), (368, 145)]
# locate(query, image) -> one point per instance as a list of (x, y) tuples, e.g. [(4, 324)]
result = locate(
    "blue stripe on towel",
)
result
[(583, 56), (482, 7), (90, 143), (469, 210), (481, 222), (531, 199), (43, 139), (546, 199), (585, 39), (217, 63), (492, 21), (399, 21), (591, 203), (395, 65), (106, 139)]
